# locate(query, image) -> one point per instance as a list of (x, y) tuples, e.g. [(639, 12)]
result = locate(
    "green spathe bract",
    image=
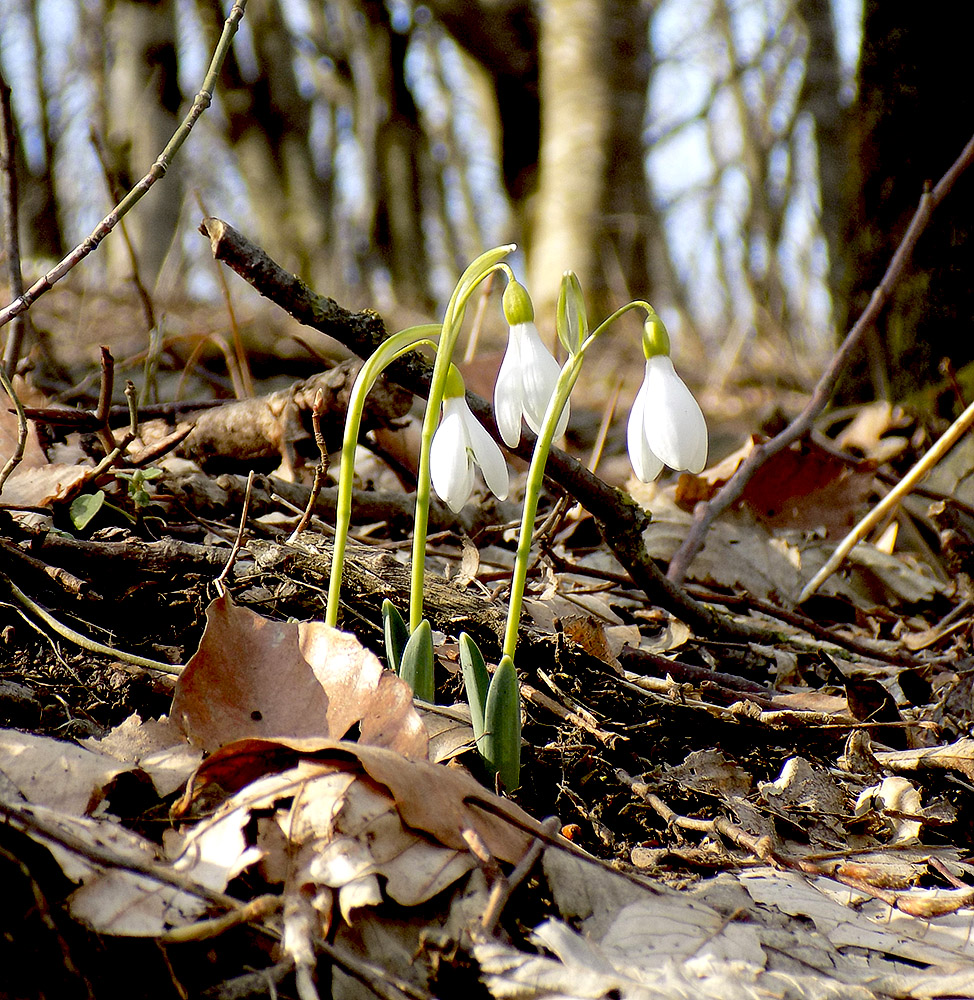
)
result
[(395, 633), (416, 665), (501, 741), (476, 682)]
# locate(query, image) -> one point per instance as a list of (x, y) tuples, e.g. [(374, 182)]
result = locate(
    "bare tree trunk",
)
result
[(400, 151), (628, 222), (40, 226), (269, 128), (913, 116), (821, 98), (575, 128), (141, 105)]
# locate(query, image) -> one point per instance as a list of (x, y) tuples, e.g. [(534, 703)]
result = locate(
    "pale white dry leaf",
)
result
[(957, 756), (801, 785), (125, 903), (449, 730), (848, 926), (894, 794), (710, 772), (53, 773), (156, 746)]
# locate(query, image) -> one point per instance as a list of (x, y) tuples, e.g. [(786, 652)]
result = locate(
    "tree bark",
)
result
[(142, 102), (575, 130), (913, 116)]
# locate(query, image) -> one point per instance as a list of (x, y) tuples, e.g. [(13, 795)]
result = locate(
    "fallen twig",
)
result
[(946, 441)]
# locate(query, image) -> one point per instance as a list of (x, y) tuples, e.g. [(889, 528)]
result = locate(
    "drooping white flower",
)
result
[(666, 424), (461, 441), (528, 374)]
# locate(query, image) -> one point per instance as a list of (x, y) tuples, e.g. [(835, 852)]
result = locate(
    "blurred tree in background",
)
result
[(695, 152)]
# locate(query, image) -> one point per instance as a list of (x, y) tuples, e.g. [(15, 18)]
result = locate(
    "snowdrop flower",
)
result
[(459, 442), (528, 373), (666, 425)]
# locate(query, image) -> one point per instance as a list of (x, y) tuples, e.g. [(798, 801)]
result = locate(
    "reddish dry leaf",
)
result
[(803, 487), (253, 677), (438, 801)]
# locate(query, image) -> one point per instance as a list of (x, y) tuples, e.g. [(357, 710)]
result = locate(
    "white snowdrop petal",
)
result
[(507, 396), (451, 469), (645, 464), (489, 457), (539, 373), (675, 428)]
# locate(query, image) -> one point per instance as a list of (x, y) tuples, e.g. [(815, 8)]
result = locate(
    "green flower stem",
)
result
[(532, 491), (452, 321), (385, 354)]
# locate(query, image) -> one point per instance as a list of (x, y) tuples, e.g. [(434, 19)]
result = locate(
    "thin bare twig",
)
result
[(706, 513), (158, 169), (18, 454), (83, 641), (238, 541), (316, 409), (11, 223)]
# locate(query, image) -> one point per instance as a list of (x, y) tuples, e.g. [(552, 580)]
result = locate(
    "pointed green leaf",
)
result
[(501, 744), (416, 666), (571, 321), (84, 508), (396, 634), (476, 681)]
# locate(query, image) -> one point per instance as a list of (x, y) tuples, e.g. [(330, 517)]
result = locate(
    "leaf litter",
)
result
[(789, 817)]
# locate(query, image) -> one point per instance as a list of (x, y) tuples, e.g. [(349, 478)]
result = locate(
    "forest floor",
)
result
[(780, 805)]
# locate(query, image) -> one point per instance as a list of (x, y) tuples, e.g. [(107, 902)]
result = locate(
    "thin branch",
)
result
[(158, 169), (706, 513), (11, 223), (18, 453)]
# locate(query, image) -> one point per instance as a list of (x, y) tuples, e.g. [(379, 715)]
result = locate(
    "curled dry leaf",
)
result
[(438, 801), (254, 677), (344, 827)]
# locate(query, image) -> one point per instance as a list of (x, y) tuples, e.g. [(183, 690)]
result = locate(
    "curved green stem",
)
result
[(385, 354), (452, 321), (532, 491)]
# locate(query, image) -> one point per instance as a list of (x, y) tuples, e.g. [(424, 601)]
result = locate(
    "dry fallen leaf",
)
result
[(35, 482), (254, 677), (53, 773)]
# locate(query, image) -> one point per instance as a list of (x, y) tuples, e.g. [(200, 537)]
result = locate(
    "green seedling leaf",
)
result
[(476, 681), (416, 666), (501, 744), (83, 508), (396, 634)]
